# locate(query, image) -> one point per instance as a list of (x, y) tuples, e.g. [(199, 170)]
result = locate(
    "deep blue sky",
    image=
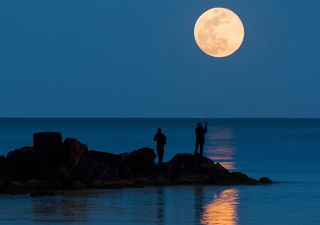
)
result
[(124, 58)]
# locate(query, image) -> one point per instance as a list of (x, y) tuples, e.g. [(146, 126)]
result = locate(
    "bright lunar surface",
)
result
[(219, 32)]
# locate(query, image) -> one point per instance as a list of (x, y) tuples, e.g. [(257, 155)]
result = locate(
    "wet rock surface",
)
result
[(53, 164)]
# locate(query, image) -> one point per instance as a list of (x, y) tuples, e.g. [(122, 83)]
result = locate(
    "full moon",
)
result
[(219, 32)]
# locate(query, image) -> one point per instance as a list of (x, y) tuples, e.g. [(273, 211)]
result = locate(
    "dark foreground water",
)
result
[(288, 151)]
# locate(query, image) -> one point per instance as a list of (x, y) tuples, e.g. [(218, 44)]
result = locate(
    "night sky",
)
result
[(124, 58)]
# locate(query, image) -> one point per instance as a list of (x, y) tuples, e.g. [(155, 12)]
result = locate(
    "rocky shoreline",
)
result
[(54, 164)]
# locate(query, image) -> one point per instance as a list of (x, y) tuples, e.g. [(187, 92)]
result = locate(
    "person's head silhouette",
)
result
[(199, 125), (159, 130)]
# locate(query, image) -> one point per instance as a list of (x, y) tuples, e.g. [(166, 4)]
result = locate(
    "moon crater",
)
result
[(219, 32)]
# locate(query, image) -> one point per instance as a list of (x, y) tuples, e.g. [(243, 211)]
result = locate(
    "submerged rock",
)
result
[(54, 164)]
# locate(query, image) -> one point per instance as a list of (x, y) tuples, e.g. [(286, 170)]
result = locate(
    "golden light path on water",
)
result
[(220, 147), (223, 210)]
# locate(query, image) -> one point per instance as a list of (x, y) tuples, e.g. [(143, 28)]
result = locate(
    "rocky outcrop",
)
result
[(53, 164)]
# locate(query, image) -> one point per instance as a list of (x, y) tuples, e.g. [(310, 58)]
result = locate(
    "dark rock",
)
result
[(2, 159), (188, 162), (105, 157), (137, 163), (144, 154), (265, 180), (98, 165), (21, 153), (42, 192), (86, 170), (109, 165), (78, 184), (3, 164), (242, 178), (116, 183), (47, 141), (183, 162), (219, 167), (23, 164), (71, 154), (188, 169)]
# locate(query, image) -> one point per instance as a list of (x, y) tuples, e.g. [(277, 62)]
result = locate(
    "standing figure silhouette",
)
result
[(200, 138), (161, 140)]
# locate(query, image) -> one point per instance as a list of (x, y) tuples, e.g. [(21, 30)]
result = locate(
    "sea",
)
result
[(285, 150)]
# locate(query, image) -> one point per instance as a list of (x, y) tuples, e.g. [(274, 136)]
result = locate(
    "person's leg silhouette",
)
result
[(160, 154), (201, 150), (196, 149)]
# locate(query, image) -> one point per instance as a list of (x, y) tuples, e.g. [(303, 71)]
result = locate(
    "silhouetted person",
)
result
[(200, 139), (161, 140)]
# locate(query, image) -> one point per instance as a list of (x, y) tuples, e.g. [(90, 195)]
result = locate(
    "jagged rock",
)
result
[(138, 162), (98, 165), (86, 170), (71, 154)]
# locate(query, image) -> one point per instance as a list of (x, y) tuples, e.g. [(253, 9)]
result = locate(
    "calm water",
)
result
[(287, 151)]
